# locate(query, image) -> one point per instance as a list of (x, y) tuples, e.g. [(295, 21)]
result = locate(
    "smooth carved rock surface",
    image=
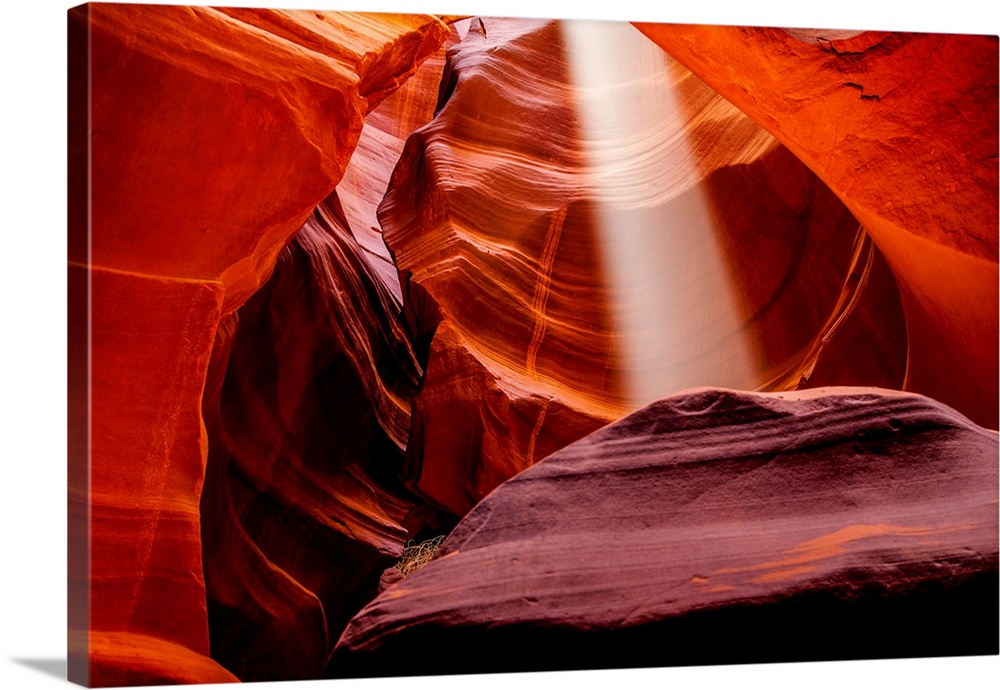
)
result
[(715, 526), (147, 467), (308, 427), (213, 134), (474, 216), (556, 243), (903, 128), (306, 435), (260, 617), (199, 111), (366, 178), (579, 226)]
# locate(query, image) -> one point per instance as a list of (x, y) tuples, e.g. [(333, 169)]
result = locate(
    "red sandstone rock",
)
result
[(503, 216), (714, 527), (147, 465), (903, 128), (197, 111), (306, 435), (211, 136), (473, 204), (215, 134), (326, 443), (131, 659), (262, 622), (367, 175), (475, 427)]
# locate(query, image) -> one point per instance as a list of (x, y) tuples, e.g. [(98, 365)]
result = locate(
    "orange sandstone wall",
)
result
[(502, 214), (268, 398), (212, 135), (903, 127)]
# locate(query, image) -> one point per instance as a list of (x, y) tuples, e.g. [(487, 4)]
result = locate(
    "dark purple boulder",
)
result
[(715, 526)]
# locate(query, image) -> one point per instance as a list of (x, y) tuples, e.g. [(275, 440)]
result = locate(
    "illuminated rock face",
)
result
[(367, 175), (189, 114), (308, 410), (213, 134), (715, 526), (315, 336), (146, 473), (903, 128), (592, 239)]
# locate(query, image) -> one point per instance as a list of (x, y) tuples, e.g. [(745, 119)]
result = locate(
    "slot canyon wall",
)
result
[(594, 293), (213, 135), (917, 165)]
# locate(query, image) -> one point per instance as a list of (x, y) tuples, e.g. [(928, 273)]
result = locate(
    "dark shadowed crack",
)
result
[(864, 96)]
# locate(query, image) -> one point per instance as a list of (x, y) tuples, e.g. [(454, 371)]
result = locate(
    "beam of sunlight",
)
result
[(678, 318)]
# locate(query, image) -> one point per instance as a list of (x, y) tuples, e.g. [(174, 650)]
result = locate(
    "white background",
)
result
[(33, 334)]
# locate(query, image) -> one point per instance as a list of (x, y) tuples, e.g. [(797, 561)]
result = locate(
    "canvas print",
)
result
[(424, 344)]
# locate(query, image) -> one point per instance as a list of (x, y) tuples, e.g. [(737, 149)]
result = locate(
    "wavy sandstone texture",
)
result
[(213, 134), (903, 128), (344, 275), (715, 526), (303, 508), (305, 431), (385, 132), (557, 266)]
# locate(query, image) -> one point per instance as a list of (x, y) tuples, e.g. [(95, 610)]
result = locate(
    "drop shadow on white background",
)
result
[(50, 667)]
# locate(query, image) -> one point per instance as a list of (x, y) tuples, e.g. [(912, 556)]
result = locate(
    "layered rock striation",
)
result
[(337, 280), (306, 431), (715, 526), (551, 223), (203, 140), (303, 503), (903, 128)]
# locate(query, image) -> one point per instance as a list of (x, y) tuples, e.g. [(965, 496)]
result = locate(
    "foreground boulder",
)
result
[(714, 527)]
